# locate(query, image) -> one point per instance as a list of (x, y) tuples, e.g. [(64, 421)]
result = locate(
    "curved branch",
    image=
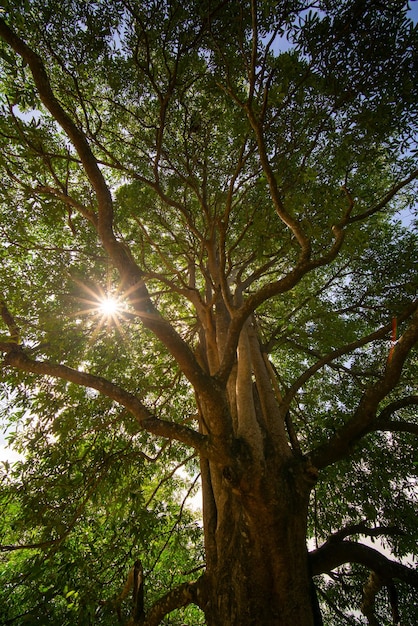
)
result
[(183, 595), (333, 554), (16, 357), (130, 273), (394, 406), (330, 357), (347, 349), (364, 418), (76, 136), (68, 200), (387, 198), (362, 529), (384, 423), (291, 223)]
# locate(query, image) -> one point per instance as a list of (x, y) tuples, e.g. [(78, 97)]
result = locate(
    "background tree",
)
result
[(231, 175)]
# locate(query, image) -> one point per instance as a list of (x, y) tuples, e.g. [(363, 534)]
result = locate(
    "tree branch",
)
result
[(333, 554), (362, 529), (395, 427), (16, 357), (131, 275), (240, 317), (338, 446), (8, 319), (30, 546), (387, 198), (335, 608), (76, 136), (285, 284), (394, 406), (286, 218), (370, 591), (183, 595), (330, 357)]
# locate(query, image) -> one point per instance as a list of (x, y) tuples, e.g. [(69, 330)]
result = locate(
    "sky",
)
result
[(413, 13)]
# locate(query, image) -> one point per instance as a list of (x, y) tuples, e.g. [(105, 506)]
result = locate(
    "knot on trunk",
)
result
[(231, 476)]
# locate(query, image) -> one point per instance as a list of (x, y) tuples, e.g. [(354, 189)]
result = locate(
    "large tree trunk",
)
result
[(257, 566), (255, 507)]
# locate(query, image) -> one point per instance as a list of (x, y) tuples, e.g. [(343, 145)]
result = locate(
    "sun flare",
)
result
[(104, 309), (109, 306)]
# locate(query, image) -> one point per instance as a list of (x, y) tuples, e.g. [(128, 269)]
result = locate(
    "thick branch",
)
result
[(76, 136), (10, 322), (183, 595), (394, 406), (16, 357), (370, 591), (333, 554), (395, 427), (130, 273), (240, 317), (364, 417)]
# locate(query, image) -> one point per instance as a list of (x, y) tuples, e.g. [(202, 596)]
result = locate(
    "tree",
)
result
[(230, 174)]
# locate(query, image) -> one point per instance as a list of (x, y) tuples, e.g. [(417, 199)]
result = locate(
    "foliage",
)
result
[(205, 164)]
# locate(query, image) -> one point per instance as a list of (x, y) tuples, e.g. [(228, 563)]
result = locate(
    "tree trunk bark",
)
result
[(255, 502), (257, 564)]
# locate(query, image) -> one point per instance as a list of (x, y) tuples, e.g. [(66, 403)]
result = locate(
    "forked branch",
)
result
[(130, 273), (383, 571), (384, 422)]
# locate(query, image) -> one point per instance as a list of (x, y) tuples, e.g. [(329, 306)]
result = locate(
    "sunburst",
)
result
[(109, 306), (106, 308)]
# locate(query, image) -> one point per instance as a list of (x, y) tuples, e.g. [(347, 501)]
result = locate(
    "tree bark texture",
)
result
[(257, 559), (255, 507)]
